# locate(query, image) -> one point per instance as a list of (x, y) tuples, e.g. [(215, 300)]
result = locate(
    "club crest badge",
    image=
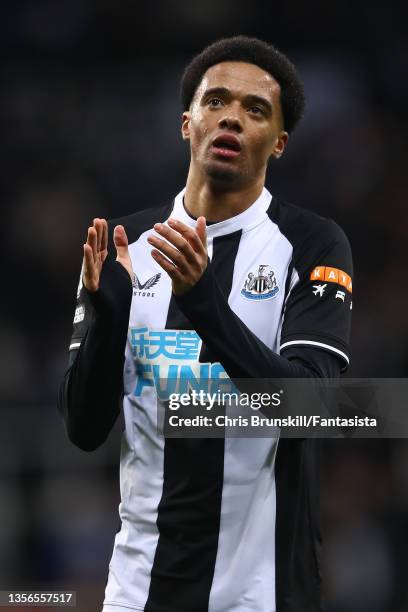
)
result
[(260, 286)]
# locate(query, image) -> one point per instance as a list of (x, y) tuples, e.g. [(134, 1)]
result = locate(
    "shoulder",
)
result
[(309, 234), (299, 224), (141, 221)]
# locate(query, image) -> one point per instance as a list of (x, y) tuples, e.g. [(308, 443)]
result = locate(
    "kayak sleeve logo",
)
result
[(261, 285), (332, 275), (143, 288), (325, 274)]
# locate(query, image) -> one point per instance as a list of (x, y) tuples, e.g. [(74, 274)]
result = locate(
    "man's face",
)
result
[(235, 123)]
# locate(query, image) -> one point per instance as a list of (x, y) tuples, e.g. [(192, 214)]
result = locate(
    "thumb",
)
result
[(201, 229), (121, 241)]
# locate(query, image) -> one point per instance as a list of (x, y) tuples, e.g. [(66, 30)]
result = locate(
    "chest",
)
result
[(250, 267)]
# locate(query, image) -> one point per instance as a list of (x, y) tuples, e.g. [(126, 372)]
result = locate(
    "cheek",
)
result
[(261, 147), (199, 131)]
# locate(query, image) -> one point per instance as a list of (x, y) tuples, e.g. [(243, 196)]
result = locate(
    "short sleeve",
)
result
[(319, 304)]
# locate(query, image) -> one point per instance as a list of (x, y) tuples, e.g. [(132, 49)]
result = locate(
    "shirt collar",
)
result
[(246, 220)]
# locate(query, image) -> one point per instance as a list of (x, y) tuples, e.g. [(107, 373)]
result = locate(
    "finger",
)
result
[(121, 241), (167, 265), (104, 241), (92, 241), (201, 230), (188, 233), (89, 264), (179, 241), (175, 256), (97, 223)]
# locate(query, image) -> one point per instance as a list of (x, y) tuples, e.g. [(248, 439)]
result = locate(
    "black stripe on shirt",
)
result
[(225, 249), (189, 511)]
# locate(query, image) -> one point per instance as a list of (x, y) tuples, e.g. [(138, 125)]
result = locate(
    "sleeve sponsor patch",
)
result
[(332, 275), (79, 314)]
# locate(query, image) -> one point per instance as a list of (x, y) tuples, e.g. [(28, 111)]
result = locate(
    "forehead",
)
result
[(241, 78)]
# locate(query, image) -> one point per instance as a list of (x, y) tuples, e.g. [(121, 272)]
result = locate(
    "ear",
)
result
[(280, 144), (185, 125)]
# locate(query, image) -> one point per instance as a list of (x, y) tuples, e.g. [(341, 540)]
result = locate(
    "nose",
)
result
[(230, 121)]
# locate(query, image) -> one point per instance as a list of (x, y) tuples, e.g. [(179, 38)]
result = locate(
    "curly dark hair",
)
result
[(252, 51)]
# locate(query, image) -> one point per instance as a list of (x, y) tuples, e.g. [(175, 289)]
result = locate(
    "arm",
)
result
[(237, 348), (90, 394), (240, 351)]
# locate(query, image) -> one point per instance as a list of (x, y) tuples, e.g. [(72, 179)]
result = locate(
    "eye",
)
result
[(256, 110), (214, 102)]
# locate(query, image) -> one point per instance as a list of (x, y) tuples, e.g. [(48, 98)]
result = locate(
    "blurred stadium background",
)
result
[(90, 121)]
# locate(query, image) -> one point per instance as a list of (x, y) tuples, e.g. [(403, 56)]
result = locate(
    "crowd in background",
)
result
[(90, 118)]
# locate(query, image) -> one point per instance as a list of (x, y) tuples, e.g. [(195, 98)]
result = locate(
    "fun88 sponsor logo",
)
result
[(168, 360)]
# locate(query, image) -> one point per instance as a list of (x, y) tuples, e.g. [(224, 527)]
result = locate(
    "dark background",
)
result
[(90, 119)]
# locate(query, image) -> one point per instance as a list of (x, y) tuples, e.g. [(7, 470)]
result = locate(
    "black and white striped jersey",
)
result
[(220, 525)]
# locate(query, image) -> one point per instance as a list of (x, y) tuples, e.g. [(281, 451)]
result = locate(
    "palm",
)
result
[(96, 251)]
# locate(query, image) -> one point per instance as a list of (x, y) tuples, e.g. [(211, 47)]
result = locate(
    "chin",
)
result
[(221, 174)]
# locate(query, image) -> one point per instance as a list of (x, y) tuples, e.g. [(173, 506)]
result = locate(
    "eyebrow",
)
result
[(250, 98)]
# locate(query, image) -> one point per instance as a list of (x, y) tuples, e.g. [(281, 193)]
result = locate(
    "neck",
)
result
[(217, 203)]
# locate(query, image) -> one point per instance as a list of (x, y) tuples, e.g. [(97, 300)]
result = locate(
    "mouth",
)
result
[(226, 145)]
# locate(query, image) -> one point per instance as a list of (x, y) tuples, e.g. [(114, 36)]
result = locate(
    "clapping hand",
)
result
[(182, 253), (96, 251)]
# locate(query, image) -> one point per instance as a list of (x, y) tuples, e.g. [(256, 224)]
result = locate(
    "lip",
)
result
[(226, 145)]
